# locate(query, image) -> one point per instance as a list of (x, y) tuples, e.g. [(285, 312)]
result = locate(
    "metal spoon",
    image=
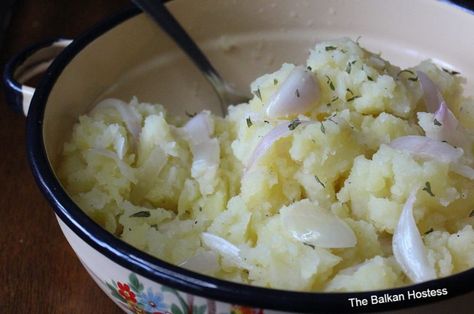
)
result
[(160, 14)]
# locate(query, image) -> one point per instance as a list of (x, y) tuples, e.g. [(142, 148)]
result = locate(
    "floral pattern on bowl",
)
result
[(137, 299)]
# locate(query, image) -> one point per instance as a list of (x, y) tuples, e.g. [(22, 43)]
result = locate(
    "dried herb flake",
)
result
[(141, 214), (323, 129), (258, 94), (293, 124), (330, 83), (249, 122), (436, 122), (352, 98), (452, 72), (429, 231), (275, 81), (330, 48), (297, 93), (309, 245), (427, 188), (319, 181)]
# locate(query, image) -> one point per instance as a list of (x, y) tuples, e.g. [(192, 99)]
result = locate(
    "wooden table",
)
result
[(39, 272)]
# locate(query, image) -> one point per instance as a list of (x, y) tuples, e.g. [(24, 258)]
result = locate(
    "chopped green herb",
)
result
[(352, 98), (328, 104), (429, 231), (249, 122), (323, 128), (200, 208), (266, 121), (349, 66), (330, 83), (141, 214), (154, 226), (436, 122), (310, 245), (297, 92), (258, 94), (195, 222), (309, 68), (451, 72), (334, 99), (330, 119), (349, 91), (319, 181), (191, 115), (275, 81), (329, 48), (293, 124), (413, 79), (370, 78), (427, 188)]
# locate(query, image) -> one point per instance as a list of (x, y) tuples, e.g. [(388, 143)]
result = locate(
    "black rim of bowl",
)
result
[(171, 275)]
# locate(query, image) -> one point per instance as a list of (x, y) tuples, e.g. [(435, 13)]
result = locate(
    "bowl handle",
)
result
[(25, 65)]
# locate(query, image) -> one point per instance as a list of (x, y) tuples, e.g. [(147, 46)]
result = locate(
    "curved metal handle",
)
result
[(26, 65)]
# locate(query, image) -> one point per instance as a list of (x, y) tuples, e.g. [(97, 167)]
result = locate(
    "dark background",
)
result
[(39, 272)]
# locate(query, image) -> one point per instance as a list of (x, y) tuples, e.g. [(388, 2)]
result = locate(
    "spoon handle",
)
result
[(158, 11)]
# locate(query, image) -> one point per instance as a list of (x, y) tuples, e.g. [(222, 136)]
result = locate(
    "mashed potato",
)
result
[(319, 183)]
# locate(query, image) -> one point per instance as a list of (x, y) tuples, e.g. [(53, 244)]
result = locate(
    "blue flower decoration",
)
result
[(152, 302)]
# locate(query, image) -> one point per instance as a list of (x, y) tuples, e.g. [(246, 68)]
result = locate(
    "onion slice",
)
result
[(278, 132), (447, 126), (126, 170), (297, 94), (131, 119), (425, 147), (204, 262), (309, 224), (431, 93), (408, 247), (205, 150), (224, 248)]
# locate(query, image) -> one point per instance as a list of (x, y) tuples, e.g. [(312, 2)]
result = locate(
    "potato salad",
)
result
[(346, 173)]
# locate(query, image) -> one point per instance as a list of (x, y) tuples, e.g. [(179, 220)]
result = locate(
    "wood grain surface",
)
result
[(39, 272)]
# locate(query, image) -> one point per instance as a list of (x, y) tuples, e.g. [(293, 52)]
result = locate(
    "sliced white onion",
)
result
[(450, 130), (267, 141), (431, 93), (206, 151), (206, 157), (310, 224), (408, 247), (199, 128), (278, 132), (425, 147), (204, 262), (125, 169), (463, 170), (131, 119), (297, 94), (224, 248)]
